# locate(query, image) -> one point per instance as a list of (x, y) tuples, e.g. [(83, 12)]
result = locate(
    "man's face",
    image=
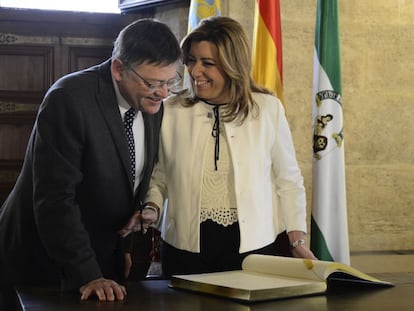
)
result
[(144, 86)]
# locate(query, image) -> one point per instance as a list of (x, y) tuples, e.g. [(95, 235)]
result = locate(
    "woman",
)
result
[(226, 161)]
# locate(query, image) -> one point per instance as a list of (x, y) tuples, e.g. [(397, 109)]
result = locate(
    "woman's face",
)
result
[(207, 76)]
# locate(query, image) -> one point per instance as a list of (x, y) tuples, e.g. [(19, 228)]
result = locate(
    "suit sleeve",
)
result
[(56, 176)]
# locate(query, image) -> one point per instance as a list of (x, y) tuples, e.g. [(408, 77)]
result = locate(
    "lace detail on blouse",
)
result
[(218, 202), (220, 216)]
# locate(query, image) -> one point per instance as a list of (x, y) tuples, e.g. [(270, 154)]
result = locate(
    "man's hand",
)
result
[(133, 225), (104, 289), (140, 221)]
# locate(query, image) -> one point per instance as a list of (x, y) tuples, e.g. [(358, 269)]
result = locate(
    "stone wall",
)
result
[(377, 42)]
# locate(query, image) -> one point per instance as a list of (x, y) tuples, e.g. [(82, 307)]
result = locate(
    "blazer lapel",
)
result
[(110, 111), (149, 154)]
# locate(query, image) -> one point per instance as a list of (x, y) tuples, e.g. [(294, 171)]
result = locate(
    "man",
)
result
[(61, 223)]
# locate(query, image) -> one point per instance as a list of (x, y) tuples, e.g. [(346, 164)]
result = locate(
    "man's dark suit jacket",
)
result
[(75, 189)]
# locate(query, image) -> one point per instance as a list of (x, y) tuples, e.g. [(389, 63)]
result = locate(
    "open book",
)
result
[(271, 277)]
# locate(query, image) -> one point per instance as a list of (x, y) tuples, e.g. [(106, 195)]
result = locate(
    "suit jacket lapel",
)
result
[(110, 111), (149, 154)]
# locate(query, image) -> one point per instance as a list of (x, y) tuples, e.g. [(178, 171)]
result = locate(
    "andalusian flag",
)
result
[(329, 225), (267, 46)]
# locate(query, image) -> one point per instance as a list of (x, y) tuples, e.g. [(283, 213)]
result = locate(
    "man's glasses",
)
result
[(173, 85)]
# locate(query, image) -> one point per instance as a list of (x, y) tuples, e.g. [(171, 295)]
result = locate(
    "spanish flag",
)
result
[(267, 46)]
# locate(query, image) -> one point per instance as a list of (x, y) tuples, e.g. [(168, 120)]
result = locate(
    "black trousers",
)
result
[(219, 251), (8, 298)]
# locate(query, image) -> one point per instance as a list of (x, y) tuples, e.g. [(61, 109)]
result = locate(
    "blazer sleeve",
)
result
[(288, 177), (57, 173)]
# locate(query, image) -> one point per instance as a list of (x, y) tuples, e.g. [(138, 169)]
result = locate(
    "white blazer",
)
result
[(269, 188)]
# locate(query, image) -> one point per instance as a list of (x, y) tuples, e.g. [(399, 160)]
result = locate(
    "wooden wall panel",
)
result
[(26, 73), (84, 57), (26, 67)]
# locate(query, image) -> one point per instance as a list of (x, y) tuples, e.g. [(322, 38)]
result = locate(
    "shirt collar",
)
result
[(122, 103)]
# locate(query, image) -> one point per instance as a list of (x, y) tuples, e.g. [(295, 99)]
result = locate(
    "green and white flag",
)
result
[(329, 225)]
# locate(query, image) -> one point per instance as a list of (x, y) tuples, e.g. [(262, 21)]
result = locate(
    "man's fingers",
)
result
[(85, 294), (120, 292), (108, 294), (105, 290), (100, 293), (124, 232), (133, 225)]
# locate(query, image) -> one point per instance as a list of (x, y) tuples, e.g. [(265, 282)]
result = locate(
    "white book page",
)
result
[(287, 266), (300, 268), (245, 280)]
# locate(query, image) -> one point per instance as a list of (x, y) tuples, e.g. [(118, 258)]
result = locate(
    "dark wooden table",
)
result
[(151, 295)]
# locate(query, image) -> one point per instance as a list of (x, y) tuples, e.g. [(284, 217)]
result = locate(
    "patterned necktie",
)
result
[(128, 121)]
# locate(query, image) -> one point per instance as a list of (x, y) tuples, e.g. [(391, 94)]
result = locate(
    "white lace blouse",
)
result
[(218, 202)]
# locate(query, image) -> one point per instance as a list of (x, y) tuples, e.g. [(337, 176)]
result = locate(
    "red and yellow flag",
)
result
[(267, 46)]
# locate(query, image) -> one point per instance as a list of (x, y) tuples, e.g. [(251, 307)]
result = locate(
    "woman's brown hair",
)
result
[(234, 58)]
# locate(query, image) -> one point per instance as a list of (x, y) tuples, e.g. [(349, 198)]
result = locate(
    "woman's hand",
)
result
[(302, 251), (299, 249)]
